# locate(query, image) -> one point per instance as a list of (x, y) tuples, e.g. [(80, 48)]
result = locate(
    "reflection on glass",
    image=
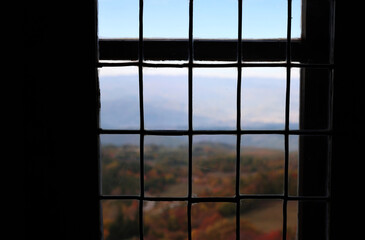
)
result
[(165, 98), (262, 164), (118, 19), (166, 166), (264, 19), (165, 220), (263, 98), (213, 221), (261, 219), (214, 165), (119, 96), (120, 219), (214, 98), (120, 164), (165, 19)]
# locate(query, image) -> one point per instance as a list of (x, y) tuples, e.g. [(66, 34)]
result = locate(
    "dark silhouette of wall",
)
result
[(59, 121)]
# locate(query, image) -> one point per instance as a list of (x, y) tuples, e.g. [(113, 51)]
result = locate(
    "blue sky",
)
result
[(212, 18)]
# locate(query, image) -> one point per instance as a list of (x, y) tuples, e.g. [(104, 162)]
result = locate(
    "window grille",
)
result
[(314, 133)]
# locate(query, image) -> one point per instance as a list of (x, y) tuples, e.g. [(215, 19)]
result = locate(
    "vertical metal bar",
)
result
[(238, 200), (141, 147), (288, 36), (190, 84), (287, 114), (285, 203), (140, 65), (238, 147)]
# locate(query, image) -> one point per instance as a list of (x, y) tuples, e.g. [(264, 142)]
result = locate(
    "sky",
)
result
[(214, 104), (212, 19)]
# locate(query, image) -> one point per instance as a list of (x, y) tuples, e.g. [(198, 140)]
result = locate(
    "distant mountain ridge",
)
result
[(257, 141), (163, 113)]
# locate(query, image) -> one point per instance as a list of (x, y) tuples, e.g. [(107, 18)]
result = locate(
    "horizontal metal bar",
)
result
[(168, 64), (217, 199), (215, 132), (204, 49)]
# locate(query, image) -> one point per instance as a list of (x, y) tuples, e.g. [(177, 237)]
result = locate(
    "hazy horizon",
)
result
[(214, 98)]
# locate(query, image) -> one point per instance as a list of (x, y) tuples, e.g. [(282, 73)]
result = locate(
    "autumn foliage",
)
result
[(166, 174)]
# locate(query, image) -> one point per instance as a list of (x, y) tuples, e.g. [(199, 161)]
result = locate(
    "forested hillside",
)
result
[(213, 175)]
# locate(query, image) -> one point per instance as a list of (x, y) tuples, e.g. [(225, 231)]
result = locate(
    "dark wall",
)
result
[(59, 141), (348, 142), (59, 120)]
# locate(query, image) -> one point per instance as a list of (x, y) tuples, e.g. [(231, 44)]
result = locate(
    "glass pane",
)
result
[(165, 98), (315, 104), (119, 96), (293, 170), (214, 165), (165, 19), (118, 19), (296, 21), (214, 98), (262, 164), (120, 219), (120, 164), (261, 219), (264, 19), (166, 166), (165, 220), (263, 98), (292, 220), (215, 19), (294, 110), (213, 221), (308, 165)]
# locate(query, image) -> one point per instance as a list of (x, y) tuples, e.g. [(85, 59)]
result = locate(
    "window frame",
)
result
[(254, 53)]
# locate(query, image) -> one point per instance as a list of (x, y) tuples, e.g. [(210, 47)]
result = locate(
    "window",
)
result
[(210, 130)]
